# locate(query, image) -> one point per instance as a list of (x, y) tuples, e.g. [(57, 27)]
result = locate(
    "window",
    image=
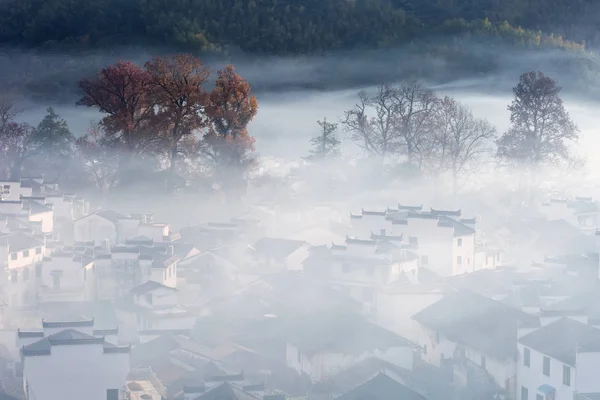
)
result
[(38, 270), (14, 276), (38, 250), (149, 298), (539, 397), (26, 253), (524, 393), (526, 357), (56, 281), (459, 260), (566, 375), (26, 274), (546, 369), (459, 242), (483, 362), (13, 256), (112, 394), (424, 260)]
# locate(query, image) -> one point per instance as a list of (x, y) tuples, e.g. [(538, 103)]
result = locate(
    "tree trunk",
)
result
[(173, 167), (15, 170)]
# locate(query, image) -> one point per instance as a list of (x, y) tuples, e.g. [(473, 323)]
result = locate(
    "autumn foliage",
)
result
[(154, 108)]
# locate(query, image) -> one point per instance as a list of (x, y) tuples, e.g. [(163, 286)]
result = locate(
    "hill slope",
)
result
[(275, 26)]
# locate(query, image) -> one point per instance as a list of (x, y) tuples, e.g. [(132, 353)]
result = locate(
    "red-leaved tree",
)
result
[(177, 89), (227, 144), (121, 91)]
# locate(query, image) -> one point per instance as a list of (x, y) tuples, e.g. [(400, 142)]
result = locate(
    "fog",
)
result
[(321, 277)]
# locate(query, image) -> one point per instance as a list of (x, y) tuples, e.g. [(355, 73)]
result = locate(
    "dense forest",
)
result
[(290, 26)]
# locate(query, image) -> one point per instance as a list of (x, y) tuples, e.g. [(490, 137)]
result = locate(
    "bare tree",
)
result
[(540, 125), (377, 134), (462, 142), (396, 120), (415, 120)]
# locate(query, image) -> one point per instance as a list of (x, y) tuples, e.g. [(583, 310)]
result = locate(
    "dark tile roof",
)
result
[(381, 387), (277, 248), (460, 229), (102, 312), (226, 392), (450, 213), (410, 208), (110, 215), (20, 241), (164, 262), (378, 213), (562, 340), (477, 321), (37, 208), (148, 287), (339, 332), (68, 324), (65, 337)]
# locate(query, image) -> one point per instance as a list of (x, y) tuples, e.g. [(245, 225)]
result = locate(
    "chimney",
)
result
[(382, 232), (171, 250)]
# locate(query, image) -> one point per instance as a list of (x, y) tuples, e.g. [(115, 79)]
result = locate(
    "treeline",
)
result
[(159, 120), (410, 125), (271, 26)]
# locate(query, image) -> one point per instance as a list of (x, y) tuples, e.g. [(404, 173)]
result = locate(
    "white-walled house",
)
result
[(99, 226), (151, 306), (62, 277), (67, 361), (117, 228), (363, 267), (581, 212), (474, 335), (446, 243), (21, 256), (319, 347), (278, 253), (559, 361)]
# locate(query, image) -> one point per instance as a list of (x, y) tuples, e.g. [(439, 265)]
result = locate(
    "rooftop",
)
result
[(276, 247), (381, 387), (67, 337), (563, 339), (148, 287), (477, 321)]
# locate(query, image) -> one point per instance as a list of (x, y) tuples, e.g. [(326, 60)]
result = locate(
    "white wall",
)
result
[(94, 227), (295, 259), (532, 377), (72, 280), (23, 258), (47, 219), (75, 372), (322, 366), (16, 191), (588, 366), (395, 311), (466, 251)]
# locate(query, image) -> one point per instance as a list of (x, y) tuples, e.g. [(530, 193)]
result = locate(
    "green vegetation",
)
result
[(287, 27)]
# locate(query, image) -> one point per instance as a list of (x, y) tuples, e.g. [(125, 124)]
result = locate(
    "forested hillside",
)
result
[(286, 26)]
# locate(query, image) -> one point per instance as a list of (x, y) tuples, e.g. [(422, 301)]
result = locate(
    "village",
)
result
[(408, 302)]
